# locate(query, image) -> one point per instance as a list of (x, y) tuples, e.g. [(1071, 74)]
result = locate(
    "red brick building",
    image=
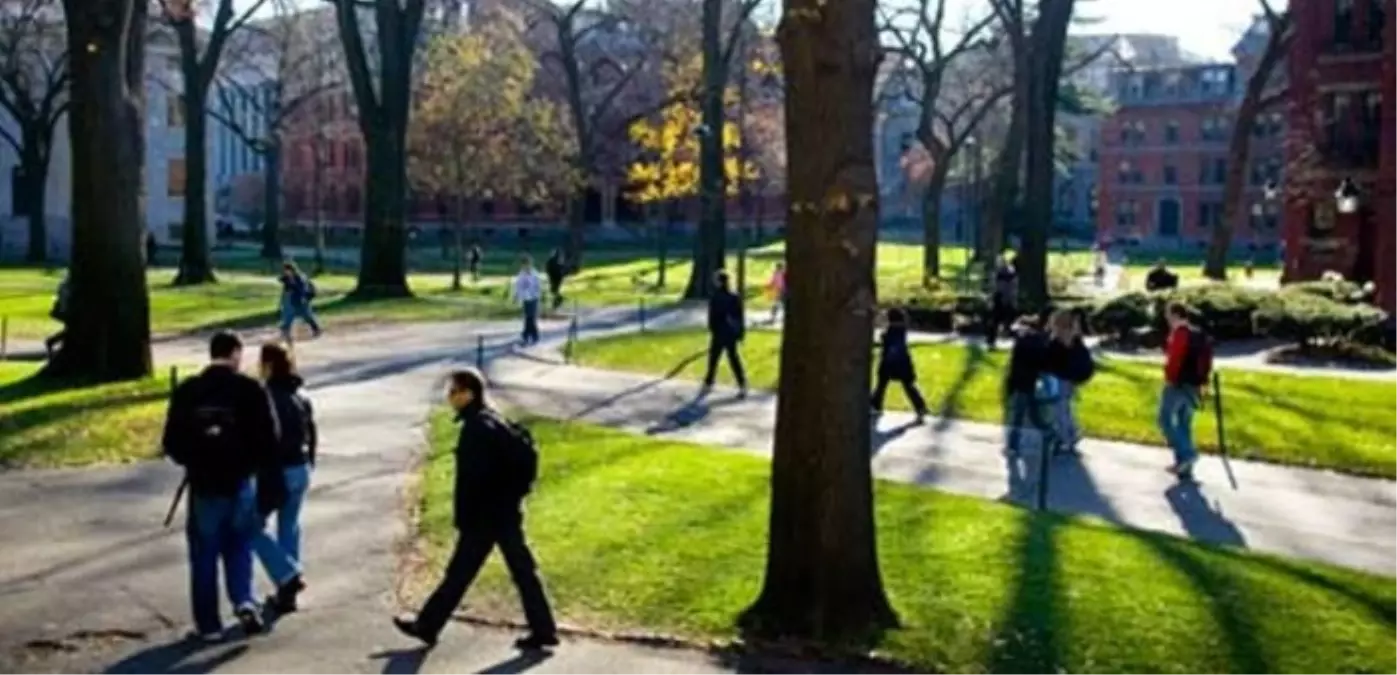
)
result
[(1341, 112), (1163, 160)]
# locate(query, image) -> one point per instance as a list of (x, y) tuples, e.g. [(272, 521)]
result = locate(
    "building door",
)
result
[(1169, 217)]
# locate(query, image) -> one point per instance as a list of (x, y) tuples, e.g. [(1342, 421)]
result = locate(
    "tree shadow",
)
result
[(1029, 634), (1201, 521), (401, 661), (179, 657), (647, 385), (517, 664), (950, 405), (882, 437)]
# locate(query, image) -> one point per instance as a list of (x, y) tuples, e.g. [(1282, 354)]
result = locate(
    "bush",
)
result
[(1225, 311), (1309, 319), (1337, 290), (1122, 316)]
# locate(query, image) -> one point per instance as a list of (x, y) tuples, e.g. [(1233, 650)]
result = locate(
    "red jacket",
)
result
[(1175, 351)]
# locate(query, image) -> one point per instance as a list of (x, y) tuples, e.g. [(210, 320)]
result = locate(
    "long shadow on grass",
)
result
[(19, 422), (647, 385), (951, 403), (1028, 639)]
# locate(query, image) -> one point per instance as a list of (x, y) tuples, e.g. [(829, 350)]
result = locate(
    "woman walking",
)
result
[(776, 288), (895, 363), (296, 294), (286, 475)]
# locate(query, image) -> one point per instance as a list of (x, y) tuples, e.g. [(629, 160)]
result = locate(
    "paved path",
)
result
[(1296, 512)]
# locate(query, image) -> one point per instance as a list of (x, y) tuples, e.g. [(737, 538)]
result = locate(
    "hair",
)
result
[(223, 344), (471, 380), (721, 278), (290, 266), (1062, 319), (278, 359), (1178, 309), (526, 259), (897, 316)]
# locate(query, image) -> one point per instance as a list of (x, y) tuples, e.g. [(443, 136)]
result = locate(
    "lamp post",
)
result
[(1346, 197), (976, 167)]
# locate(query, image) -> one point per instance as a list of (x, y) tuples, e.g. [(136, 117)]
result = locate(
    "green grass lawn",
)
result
[(48, 424), (632, 533), (1333, 423)]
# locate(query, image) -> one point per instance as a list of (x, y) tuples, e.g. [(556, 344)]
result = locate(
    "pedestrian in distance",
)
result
[(221, 428), (60, 312), (556, 268), (1069, 360), (151, 249), (895, 363), (496, 465), (1187, 366), (283, 480), (1160, 278), (726, 328), (776, 289), (1004, 298), (297, 292), (527, 290), (473, 258)]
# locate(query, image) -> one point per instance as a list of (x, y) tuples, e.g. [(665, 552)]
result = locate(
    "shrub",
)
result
[(1121, 316), (1225, 311), (1310, 319), (1338, 290)]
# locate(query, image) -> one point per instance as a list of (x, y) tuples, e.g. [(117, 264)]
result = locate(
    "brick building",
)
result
[(1339, 192), (1163, 160)]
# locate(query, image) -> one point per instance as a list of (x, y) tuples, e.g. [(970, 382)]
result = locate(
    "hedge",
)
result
[(1310, 319)]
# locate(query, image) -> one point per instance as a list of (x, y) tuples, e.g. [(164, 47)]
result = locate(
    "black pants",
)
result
[(530, 333), (555, 289), (472, 548), (718, 345), (1001, 315), (909, 387)]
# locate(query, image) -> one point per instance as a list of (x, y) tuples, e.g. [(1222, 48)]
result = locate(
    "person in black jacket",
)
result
[(283, 480), (220, 427), (1160, 278), (726, 328), (1027, 392), (488, 511), (895, 363), (1004, 298), (473, 258), (1071, 362), (556, 269)]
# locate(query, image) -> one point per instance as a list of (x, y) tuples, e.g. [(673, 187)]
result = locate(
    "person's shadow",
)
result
[(182, 656), (1200, 520), (401, 661), (519, 663)]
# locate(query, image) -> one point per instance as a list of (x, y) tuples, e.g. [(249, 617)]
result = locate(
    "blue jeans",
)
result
[(1067, 415), (1025, 408), (292, 309), (530, 334), (1176, 407), (281, 557), (216, 529)]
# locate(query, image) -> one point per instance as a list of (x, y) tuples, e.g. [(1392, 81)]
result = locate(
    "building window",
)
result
[(1171, 174), (1212, 171), (1125, 213), (1171, 84), (1377, 20), (174, 111), (1213, 128), (1343, 23), (1370, 128), (174, 177), (1209, 214), (1171, 132), (1129, 174), (352, 200)]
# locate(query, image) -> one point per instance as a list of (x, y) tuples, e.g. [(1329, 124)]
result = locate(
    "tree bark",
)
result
[(931, 224), (108, 332), (709, 247), (1239, 153), (196, 265), (271, 203), (382, 260), (1009, 164), (822, 577), (1049, 40), (34, 162)]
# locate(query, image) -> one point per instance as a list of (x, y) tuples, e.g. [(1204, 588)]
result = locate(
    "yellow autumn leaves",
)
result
[(668, 167)]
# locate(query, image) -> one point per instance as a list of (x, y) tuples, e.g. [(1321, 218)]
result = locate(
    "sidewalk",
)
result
[(1289, 511)]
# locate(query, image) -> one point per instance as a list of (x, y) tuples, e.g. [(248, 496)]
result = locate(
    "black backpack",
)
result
[(521, 456), (293, 415), (210, 443), (1197, 367)]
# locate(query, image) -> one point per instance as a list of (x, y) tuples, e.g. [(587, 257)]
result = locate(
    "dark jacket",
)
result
[(296, 415), (1070, 363), (202, 410), (295, 287), (725, 320), (1027, 361), (1160, 279), (482, 494), (554, 268), (895, 360), (1006, 285)]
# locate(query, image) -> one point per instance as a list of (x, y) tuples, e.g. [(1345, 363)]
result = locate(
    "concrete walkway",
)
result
[(1290, 511)]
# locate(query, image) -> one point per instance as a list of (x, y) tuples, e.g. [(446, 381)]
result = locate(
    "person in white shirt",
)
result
[(527, 290)]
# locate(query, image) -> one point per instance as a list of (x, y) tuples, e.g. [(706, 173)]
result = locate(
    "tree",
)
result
[(1255, 99), (108, 336), (476, 133), (822, 578), (197, 69), (34, 91), (948, 115), (668, 170), (277, 67), (383, 95)]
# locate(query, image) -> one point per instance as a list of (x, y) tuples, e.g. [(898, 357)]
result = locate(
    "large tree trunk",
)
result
[(34, 163), (108, 332), (1008, 167), (1239, 155), (577, 227), (382, 259), (271, 203), (1049, 39), (931, 224), (822, 577), (195, 266), (709, 246)]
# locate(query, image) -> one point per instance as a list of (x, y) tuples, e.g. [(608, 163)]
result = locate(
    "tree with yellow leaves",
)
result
[(477, 133), (667, 171)]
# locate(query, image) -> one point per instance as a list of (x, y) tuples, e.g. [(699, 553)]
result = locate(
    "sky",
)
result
[(1207, 28)]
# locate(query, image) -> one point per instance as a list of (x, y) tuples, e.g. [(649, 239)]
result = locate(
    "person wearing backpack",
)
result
[(297, 292), (1069, 360), (220, 428), (284, 478), (496, 464), (1187, 366)]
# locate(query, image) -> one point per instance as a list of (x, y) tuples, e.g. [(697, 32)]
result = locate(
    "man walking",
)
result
[(496, 463), (556, 268), (1187, 366), (219, 428), (1004, 299), (726, 328), (297, 292), (473, 258), (527, 290)]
